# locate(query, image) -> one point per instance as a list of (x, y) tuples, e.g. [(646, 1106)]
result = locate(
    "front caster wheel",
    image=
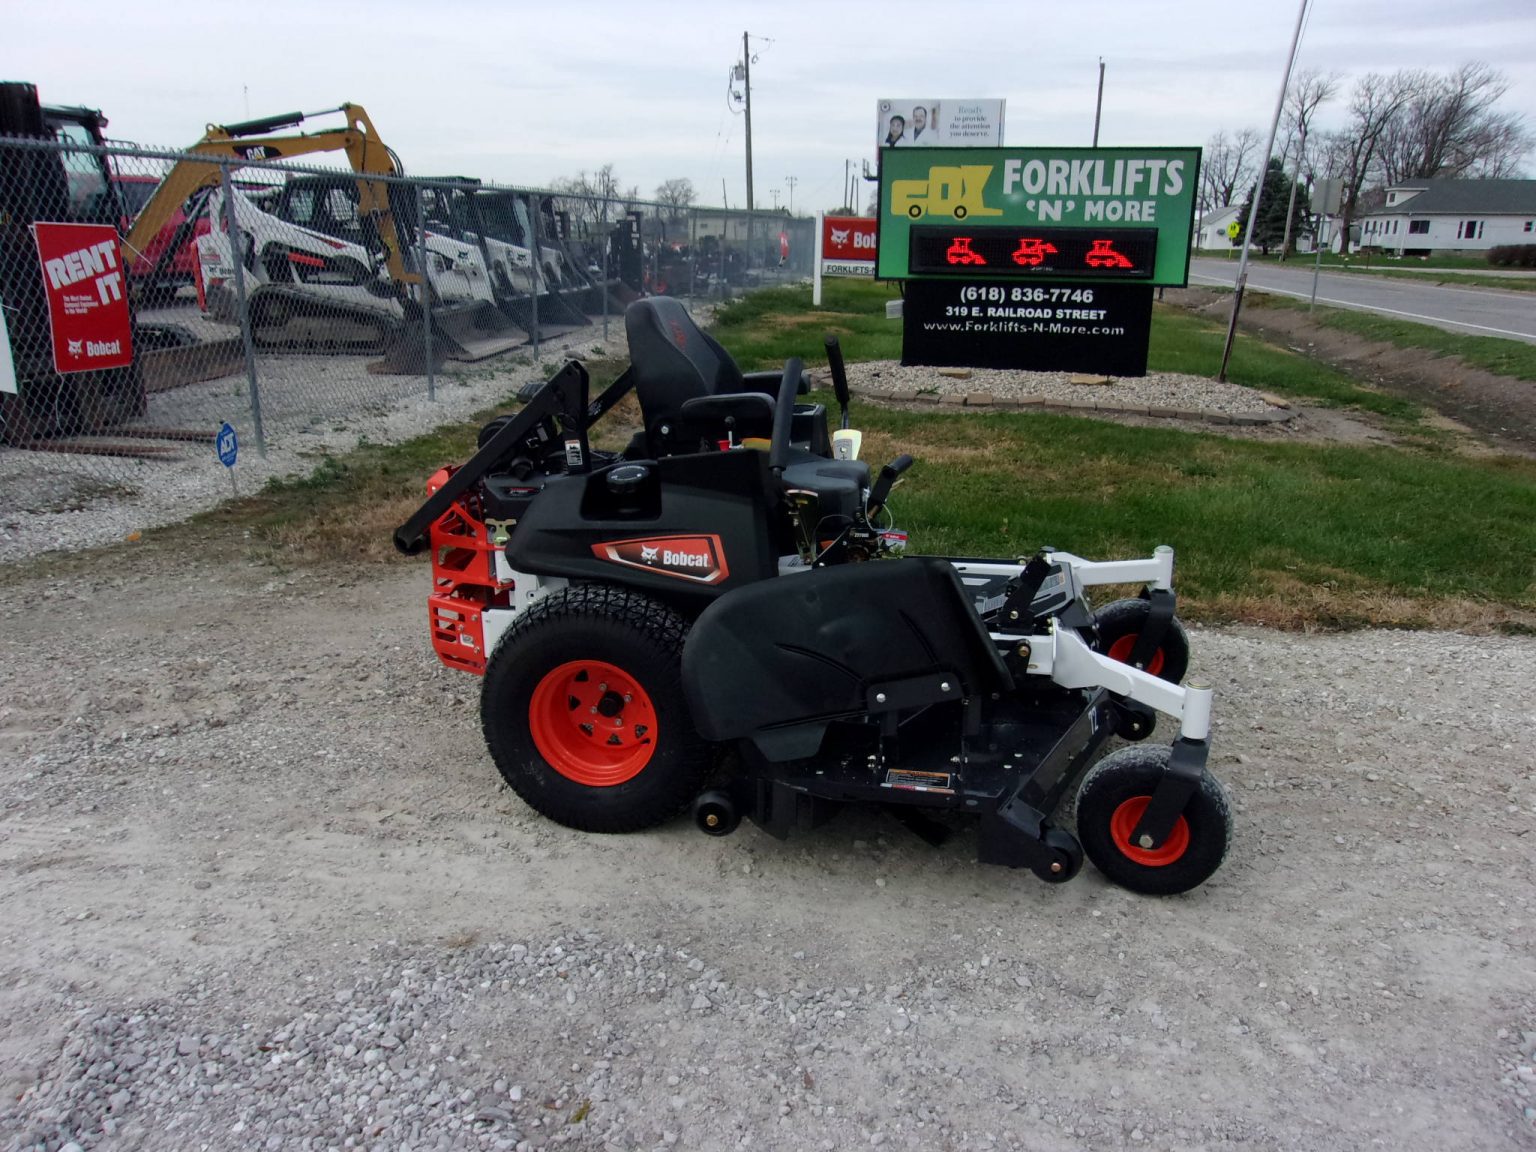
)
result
[(1119, 626), (1111, 802)]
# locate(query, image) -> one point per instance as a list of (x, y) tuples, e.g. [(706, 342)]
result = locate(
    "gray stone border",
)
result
[(1283, 412)]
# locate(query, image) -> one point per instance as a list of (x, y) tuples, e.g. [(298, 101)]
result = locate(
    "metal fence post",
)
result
[(424, 258), (533, 253), (693, 252), (237, 254), (602, 240)]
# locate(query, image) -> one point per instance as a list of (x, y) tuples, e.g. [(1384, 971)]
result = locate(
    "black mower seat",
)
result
[(778, 660), (674, 361)]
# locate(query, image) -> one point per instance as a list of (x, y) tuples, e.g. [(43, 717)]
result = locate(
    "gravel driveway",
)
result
[(262, 890)]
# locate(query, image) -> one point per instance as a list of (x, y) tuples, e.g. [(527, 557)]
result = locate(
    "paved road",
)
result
[(1478, 311)]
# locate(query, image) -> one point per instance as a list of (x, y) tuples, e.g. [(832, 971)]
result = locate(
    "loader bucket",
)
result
[(555, 316), (406, 354), (475, 331), (620, 294)]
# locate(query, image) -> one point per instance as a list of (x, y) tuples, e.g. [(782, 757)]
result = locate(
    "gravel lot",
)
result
[(262, 891), (1172, 390), (313, 406)]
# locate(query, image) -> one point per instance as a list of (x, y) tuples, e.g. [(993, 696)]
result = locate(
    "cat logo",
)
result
[(648, 555), (75, 348), (840, 235), (950, 190)]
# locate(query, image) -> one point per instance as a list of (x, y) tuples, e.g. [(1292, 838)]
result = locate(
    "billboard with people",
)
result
[(909, 123)]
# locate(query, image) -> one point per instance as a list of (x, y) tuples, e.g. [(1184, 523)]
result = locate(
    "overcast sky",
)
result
[(525, 93)]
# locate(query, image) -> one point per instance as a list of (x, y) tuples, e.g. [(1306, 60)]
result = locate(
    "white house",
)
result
[(1421, 217), (1211, 228)]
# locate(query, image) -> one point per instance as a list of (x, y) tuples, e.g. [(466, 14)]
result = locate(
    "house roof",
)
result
[(1464, 197), (1218, 216)]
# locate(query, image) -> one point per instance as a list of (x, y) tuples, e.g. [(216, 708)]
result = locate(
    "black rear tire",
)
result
[(1111, 799), (654, 768)]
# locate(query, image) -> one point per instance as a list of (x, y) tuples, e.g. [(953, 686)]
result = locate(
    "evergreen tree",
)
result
[(1269, 228)]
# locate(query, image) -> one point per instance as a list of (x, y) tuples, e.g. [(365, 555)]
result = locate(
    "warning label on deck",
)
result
[(918, 781)]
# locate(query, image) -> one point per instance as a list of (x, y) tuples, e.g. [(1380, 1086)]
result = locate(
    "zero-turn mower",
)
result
[(721, 616)]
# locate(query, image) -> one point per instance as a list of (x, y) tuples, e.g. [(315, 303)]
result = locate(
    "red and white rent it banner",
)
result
[(848, 245), (87, 296)]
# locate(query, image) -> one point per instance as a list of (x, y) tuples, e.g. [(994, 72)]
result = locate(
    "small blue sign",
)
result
[(228, 446)]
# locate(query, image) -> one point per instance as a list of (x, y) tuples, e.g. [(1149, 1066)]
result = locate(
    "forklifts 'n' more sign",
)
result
[(87, 296), (1094, 214), (848, 246)]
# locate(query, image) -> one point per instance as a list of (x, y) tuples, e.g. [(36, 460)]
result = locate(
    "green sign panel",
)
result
[(1086, 213)]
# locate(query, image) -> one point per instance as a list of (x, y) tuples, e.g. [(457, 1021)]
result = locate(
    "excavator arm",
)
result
[(246, 141)]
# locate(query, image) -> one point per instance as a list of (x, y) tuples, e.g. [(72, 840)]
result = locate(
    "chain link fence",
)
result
[(303, 306)]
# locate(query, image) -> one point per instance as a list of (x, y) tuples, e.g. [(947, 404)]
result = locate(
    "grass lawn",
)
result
[(1294, 535), (1512, 358), (768, 327)]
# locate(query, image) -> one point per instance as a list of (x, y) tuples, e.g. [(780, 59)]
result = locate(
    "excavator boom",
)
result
[(244, 142)]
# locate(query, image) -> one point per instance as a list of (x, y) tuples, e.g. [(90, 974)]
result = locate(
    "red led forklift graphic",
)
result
[(960, 252), (1033, 251), (1103, 255)]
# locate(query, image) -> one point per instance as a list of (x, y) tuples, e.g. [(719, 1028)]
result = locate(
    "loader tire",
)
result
[(584, 714)]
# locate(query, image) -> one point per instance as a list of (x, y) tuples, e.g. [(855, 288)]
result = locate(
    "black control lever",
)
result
[(888, 477), (839, 375)]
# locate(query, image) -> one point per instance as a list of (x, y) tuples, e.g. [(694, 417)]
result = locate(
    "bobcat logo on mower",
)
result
[(697, 559)]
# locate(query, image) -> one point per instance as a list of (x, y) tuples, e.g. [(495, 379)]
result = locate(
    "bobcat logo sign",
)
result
[(848, 246), (87, 296), (697, 559)]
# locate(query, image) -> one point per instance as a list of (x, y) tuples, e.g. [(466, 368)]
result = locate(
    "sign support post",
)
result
[(816, 264)]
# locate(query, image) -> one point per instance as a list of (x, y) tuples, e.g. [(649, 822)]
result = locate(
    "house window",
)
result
[(1528, 224), (1470, 230), (1418, 227)]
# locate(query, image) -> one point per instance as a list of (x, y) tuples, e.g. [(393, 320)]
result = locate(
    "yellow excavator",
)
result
[(394, 326)]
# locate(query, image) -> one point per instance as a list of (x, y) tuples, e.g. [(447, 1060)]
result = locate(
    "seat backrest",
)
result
[(673, 360)]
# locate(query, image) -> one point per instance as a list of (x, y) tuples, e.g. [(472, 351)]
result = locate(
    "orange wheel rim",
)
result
[(1124, 822), (1122, 648), (593, 723)]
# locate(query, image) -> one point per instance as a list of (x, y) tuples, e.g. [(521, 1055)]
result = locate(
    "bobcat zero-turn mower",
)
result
[(720, 616)]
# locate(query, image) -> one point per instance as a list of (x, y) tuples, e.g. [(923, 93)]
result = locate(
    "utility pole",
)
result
[(1098, 106), (847, 183), (774, 192), (746, 74), (1258, 194), (791, 181), (1290, 209)]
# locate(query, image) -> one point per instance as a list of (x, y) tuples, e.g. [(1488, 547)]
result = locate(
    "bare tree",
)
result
[(1451, 127), (1354, 153), (591, 192), (1308, 91), (1227, 165), (677, 194)]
